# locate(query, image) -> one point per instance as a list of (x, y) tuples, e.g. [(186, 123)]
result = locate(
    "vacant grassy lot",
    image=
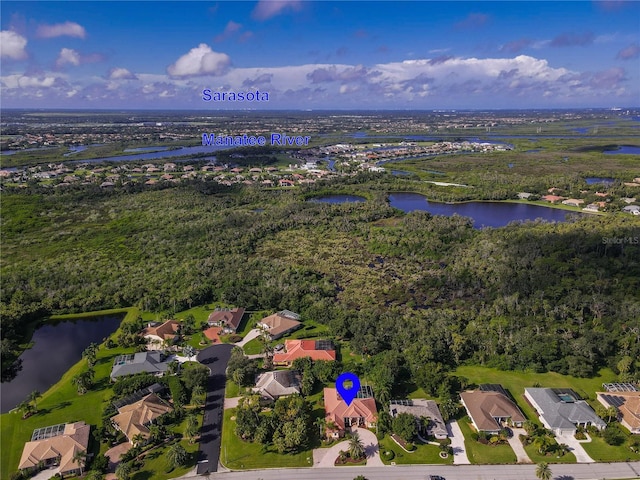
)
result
[(239, 455), (484, 454), (536, 457), (423, 454)]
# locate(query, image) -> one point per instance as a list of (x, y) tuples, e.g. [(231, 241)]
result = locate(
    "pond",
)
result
[(56, 347), (484, 214), (338, 199), (625, 150), (596, 180)]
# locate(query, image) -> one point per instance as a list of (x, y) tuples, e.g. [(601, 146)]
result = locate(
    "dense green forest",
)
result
[(418, 294)]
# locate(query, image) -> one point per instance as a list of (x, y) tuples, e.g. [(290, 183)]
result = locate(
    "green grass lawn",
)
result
[(253, 347), (601, 451), (485, 454), (60, 404), (423, 454), (239, 455), (516, 382), (536, 457)]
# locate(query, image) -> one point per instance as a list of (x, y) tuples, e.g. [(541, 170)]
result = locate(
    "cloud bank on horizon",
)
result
[(322, 55)]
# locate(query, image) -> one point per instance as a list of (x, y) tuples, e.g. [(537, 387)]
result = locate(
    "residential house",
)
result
[(340, 417), (130, 364), (158, 334), (273, 385), (280, 323), (314, 349), (573, 202), (592, 207), (632, 209), (628, 406), (134, 419), (422, 409), (491, 410), (56, 445), (524, 195), (562, 410), (229, 319), (552, 198)]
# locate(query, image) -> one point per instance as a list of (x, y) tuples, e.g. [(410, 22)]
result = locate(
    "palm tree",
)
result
[(123, 471), (356, 447), (82, 381), (94, 475), (80, 457), (138, 439), (33, 397), (177, 455), (320, 423), (26, 408), (191, 429), (543, 472)]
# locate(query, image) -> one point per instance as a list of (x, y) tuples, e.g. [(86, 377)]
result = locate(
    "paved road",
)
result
[(594, 471), (216, 358)]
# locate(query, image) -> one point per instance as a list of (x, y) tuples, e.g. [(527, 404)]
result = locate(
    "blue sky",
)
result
[(321, 55)]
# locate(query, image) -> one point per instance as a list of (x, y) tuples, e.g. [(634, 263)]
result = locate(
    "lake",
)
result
[(57, 346), (484, 214), (596, 180), (338, 199)]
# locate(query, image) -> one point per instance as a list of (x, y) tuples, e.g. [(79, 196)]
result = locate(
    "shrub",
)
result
[(410, 446)]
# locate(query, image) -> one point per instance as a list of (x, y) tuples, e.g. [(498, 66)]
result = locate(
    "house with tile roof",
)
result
[(421, 409), (150, 362), (490, 410), (628, 406), (57, 447), (562, 410), (281, 323), (135, 418), (273, 385), (340, 417), (228, 319), (169, 330), (314, 349)]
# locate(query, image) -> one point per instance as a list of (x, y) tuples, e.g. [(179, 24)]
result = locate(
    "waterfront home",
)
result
[(573, 202), (56, 445), (130, 364), (168, 331), (553, 198), (632, 209)]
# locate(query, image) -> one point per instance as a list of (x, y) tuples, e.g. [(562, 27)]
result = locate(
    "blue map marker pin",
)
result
[(348, 394)]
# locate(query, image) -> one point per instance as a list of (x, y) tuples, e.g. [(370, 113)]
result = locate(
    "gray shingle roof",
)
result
[(140, 362), (559, 414)]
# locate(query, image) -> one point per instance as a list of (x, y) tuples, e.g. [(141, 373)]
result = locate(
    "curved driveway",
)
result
[(216, 358)]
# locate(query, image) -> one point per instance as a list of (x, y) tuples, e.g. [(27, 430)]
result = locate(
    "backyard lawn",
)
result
[(484, 454), (423, 454), (237, 454)]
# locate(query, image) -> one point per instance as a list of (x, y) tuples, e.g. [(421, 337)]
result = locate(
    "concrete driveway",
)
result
[(457, 443), (255, 333), (575, 447), (517, 447), (325, 457)]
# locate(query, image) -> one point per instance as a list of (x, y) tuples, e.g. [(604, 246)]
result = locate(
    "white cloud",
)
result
[(69, 29), (200, 61), (118, 73), (24, 81), (231, 28), (266, 9), (68, 56), (12, 45)]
